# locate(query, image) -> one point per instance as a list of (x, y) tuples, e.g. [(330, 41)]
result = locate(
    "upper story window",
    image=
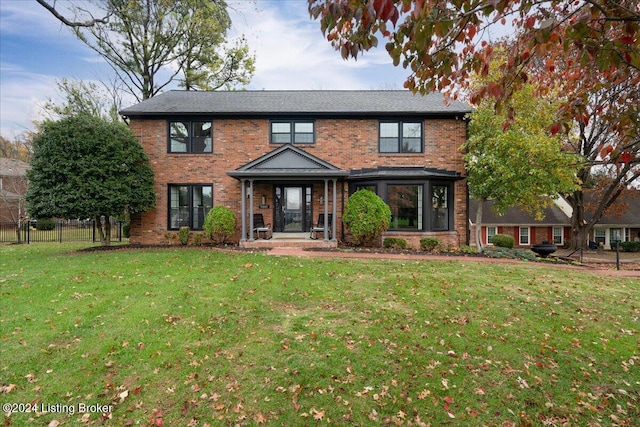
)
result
[(292, 131), (190, 136), (400, 137)]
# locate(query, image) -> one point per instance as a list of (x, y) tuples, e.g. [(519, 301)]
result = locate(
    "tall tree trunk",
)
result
[(104, 229), (478, 228), (579, 227)]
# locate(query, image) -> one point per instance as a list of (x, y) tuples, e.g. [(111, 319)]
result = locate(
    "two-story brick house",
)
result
[(292, 155)]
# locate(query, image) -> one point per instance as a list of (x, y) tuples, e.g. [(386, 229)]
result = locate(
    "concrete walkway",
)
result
[(602, 265)]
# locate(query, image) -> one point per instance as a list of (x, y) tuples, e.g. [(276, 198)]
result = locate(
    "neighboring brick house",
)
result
[(13, 187), (555, 227), (292, 155), (622, 225)]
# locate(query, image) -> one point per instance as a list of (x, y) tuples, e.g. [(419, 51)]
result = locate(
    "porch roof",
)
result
[(402, 172), (288, 162)]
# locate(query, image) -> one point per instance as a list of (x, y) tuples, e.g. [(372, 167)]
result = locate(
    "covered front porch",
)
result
[(289, 198)]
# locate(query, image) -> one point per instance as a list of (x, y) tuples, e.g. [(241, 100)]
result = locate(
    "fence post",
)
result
[(93, 234), (59, 225), (29, 232)]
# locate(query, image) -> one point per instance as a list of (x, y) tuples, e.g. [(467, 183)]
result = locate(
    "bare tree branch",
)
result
[(74, 24)]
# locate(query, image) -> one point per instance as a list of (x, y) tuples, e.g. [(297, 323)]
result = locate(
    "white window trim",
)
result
[(528, 236), (561, 243), (486, 233)]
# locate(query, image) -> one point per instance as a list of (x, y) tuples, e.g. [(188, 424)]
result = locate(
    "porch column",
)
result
[(333, 212), (326, 210), (243, 211), (251, 226)]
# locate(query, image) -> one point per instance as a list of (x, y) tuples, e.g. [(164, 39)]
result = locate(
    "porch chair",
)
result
[(260, 227), (319, 227)]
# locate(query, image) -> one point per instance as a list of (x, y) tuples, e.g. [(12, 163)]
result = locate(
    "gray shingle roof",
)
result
[(300, 103), (13, 167), (516, 216)]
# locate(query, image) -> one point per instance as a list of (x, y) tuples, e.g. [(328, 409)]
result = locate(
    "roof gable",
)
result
[(287, 160)]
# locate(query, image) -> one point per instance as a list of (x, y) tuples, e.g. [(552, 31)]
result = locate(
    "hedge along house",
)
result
[(293, 155)]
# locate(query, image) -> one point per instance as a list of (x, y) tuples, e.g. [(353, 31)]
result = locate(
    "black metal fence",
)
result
[(59, 230)]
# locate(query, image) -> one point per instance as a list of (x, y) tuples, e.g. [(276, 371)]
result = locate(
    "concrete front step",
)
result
[(288, 243)]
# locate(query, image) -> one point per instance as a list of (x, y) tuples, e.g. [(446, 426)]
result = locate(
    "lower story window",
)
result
[(491, 231), (189, 205), (599, 236), (524, 235), (405, 202), (615, 235), (440, 206), (558, 237)]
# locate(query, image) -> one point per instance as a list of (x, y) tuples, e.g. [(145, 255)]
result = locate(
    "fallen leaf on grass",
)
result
[(317, 415)]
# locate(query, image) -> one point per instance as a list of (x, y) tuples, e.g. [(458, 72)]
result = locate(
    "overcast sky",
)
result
[(291, 53)]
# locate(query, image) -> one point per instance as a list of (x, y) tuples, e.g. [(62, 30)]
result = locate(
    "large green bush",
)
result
[(503, 241), (220, 224), (366, 215)]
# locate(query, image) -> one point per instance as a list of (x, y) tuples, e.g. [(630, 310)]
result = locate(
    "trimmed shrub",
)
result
[(126, 229), (429, 244), (197, 239), (465, 249), (220, 224), (629, 246), (503, 241), (45, 224), (366, 215), (394, 243), (502, 252), (183, 235)]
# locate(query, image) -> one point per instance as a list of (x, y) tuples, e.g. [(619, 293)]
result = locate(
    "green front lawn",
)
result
[(202, 337)]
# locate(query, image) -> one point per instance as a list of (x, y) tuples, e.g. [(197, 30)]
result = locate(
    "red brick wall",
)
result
[(347, 144)]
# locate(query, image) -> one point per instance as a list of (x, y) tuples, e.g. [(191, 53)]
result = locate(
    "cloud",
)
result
[(292, 53)]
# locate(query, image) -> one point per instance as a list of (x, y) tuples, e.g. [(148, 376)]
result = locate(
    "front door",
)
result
[(292, 205)]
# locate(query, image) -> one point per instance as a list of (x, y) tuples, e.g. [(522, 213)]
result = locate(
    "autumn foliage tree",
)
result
[(520, 164), (588, 51)]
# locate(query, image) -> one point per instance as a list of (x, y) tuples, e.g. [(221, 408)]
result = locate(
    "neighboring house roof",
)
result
[(515, 216), (629, 215), (296, 103), (13, 167)]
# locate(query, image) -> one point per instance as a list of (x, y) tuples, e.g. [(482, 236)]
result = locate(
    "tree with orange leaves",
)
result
[(588, 48)]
